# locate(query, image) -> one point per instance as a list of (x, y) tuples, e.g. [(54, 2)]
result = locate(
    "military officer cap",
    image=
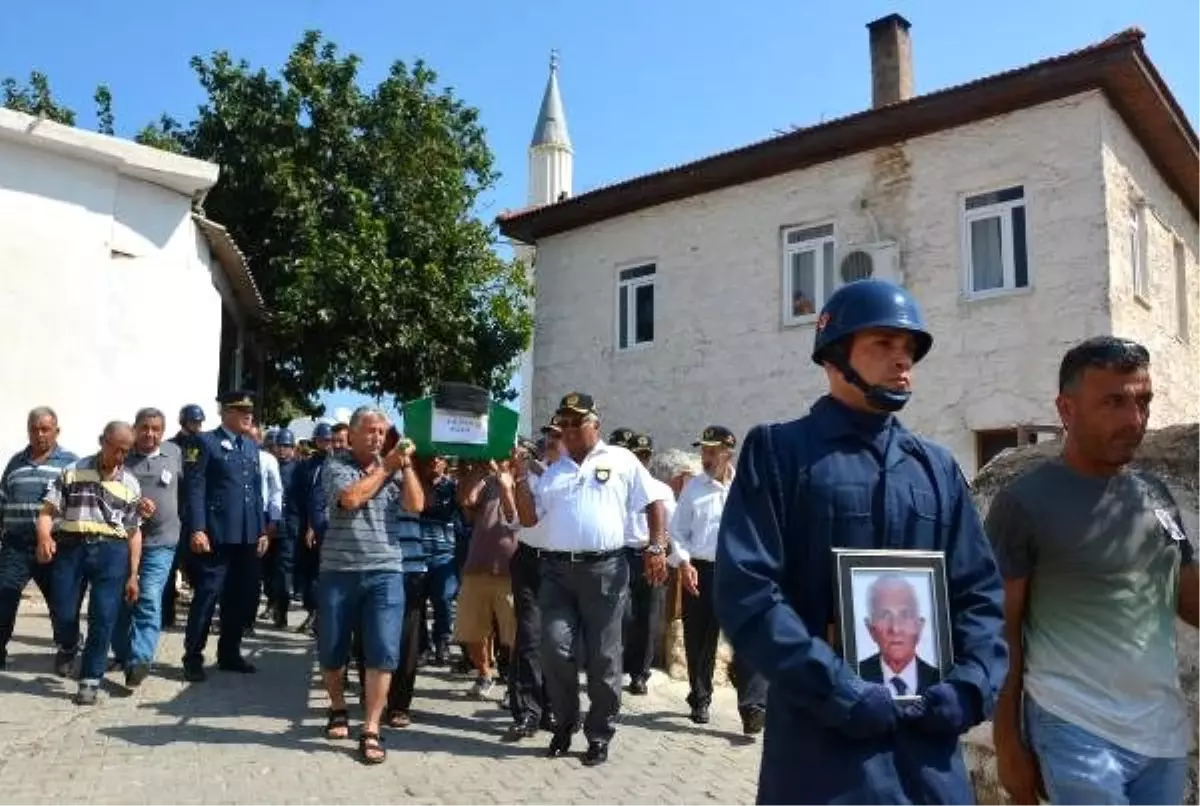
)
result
[(237, 399), (716, 436), (322, 431), (622, 437), (527, 444), (641, 443), (577, 403), (284, 438), (191, 413), (553, 427)]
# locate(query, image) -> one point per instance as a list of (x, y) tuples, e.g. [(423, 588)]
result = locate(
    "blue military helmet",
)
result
[(863, 305), (191, 413), (322, 431), (269, 436), (284, 438)]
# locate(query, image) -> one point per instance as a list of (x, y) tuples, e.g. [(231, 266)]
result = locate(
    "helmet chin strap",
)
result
[(881, 397)]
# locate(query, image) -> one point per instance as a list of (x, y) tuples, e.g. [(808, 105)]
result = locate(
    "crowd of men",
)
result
[(554, 561)]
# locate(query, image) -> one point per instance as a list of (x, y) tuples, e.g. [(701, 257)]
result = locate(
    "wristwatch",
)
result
[(655, 549)]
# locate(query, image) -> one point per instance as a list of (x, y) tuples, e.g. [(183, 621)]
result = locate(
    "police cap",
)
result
[(622, 437), (716, 436), (237, 399), (553, 427), (641, 443), (577, 403)]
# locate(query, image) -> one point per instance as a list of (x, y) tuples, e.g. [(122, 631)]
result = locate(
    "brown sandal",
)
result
[(337, 725), (370, 748)]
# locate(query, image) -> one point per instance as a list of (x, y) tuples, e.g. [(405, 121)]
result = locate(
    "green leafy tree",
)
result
[(35, 98), (354, 209), (104, 113)]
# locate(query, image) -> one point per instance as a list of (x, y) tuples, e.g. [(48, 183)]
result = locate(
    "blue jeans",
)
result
[(443, 587), (18, 564), (104, 565), (138, 625), (1079, 767), (370, 603)]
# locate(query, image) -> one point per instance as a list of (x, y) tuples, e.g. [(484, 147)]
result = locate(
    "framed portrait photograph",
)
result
[(893, 617)]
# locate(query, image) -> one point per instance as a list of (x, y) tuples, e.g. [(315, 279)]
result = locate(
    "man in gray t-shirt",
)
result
[(1096, 568), (158, 467)]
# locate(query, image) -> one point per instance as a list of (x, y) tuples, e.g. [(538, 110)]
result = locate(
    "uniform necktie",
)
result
[(900, 686), (238, 442)]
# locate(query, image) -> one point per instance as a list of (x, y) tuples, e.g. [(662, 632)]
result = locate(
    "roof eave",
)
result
[(233, 264), (1005, 93)]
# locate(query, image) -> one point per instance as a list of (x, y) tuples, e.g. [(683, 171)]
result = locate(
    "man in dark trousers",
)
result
[(849, 475), (308, 502), (286, 532), (191, 421), (227, 535)]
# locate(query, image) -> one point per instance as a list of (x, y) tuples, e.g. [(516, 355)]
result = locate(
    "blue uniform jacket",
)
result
[(836, 478), (289, 527), (301, 490), (225, 489)]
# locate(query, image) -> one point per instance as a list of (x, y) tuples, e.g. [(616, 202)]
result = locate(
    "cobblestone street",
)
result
[(257, 739)]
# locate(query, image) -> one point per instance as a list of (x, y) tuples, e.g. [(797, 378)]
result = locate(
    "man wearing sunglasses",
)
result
[(583, 500)]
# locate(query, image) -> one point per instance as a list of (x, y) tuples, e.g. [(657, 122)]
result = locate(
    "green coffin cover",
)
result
[(449, 433)]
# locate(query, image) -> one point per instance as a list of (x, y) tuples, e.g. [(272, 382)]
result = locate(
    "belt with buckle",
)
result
[(579, 556)]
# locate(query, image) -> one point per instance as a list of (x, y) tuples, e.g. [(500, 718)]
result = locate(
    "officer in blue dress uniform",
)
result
[(850, 475), (227, 535)]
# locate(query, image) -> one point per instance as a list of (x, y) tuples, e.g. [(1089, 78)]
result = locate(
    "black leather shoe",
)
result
[(547, 721), (279, 617), (307, 624), (136, 674), (526, 729), (699, 715), (194, 674), (597, 753), (560, 745), (240, 665), (753, 721), (64, 663), (638, 686)]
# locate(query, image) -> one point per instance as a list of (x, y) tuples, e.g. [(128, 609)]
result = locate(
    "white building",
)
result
[(115, 295), (551, 160), (1026, 211)]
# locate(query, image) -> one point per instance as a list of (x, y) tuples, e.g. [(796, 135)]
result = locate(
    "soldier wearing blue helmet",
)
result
[(849, 475), (191, 421), (279, 594)]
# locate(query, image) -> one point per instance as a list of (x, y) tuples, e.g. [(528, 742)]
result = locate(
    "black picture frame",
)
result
[(857, 572)]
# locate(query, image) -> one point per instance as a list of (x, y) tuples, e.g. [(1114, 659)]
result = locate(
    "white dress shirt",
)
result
[(908, 675), (533, 536), (272, 486), (697, 519), (584, 507), (637, 525)]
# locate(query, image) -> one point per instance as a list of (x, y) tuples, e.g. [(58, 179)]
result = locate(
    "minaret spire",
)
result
[(551, 127)]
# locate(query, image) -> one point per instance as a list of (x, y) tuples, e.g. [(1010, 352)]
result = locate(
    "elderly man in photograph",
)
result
[(895, 623), (361, 583)]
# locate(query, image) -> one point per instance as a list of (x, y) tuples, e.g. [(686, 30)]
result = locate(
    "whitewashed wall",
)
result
[(720, 352), (94, 334)]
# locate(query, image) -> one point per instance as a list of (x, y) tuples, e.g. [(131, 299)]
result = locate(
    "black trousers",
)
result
[(643, 618), (701, 634), (404, 680), (528, 699), (585, 596), (227, 573), (304, 574)]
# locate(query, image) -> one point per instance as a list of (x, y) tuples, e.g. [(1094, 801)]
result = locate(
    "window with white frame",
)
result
[(809, 272), (1137, 256), (635, 306), (995, 245)]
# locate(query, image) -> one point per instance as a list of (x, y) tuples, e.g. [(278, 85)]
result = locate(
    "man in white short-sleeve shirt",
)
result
[(582, 502)]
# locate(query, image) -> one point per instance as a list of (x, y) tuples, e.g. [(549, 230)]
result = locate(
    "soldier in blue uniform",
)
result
[(850, 475), (191, 421), (227, 533), (308, 502), (279, 597)]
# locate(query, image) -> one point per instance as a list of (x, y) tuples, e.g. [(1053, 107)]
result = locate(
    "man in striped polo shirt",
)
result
[(22, 488), (361, 583), (99, 541)]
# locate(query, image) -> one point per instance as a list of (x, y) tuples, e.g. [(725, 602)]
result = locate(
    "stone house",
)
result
[(1026, 211), (117, 293)]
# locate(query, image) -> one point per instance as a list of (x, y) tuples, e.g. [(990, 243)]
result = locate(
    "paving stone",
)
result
[(257, 739)]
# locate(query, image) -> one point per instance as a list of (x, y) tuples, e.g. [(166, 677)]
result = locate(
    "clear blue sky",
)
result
[(645, 84)]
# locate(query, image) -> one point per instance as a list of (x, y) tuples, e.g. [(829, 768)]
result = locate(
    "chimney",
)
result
[(891, 60)]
